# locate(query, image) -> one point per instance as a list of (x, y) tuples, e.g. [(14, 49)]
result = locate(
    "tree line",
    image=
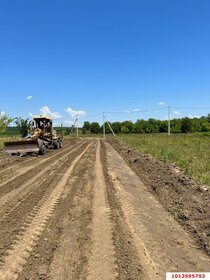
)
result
[(181, 125)]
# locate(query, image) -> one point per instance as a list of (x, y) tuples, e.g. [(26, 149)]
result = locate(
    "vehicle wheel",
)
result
[(42, 148), (60, 143), (55, 144)]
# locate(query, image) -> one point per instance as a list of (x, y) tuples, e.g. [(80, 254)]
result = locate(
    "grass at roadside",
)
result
[(5, 138), (189, 152)]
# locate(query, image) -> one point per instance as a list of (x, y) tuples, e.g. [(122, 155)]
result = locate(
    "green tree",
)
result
[(186, 125), (23, 125), (138, 126), (107, 128), (124, 129), (4, 121), (86, 127), (175, 125), (95, 128), (67, 131), (129, 125), (163, 127), (153, 125), (205, 126), (116, 126)]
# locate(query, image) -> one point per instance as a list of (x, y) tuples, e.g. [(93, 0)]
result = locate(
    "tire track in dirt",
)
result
[(16, 165), (15, 161), (127, 259), (102, 261), (21, 208), (64, 247), (34, 181), (17, 256), (20, 174), (11, 162)]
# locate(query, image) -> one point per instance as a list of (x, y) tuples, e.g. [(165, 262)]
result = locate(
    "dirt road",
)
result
[(81, 213)]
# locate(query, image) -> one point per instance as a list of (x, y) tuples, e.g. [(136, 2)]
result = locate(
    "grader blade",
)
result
[(22, 146)]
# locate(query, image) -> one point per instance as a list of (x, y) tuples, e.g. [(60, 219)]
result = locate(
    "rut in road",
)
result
[(109, 252), (63, 248), (102, 262), (20, 210), (14, 163), (12, 167), (17, 256), (32, 181), (8, 178), (75, 245), (71, 225)]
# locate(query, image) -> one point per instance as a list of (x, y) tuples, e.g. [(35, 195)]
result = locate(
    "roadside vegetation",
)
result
[(4, 122), (11, 133), (182, 125), (188, 146), (190, 152)]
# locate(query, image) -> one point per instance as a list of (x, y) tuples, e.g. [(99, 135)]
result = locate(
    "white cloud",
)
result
[(177, 113), (74, 113), (193, 116), (56, 124), (127, 111), (29, 97), (45, 111), (161, 103), (31, 115), (69, 123), (2, 113), (136, 110)]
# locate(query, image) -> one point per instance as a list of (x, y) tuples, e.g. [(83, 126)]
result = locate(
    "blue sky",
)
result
[(96, 56)]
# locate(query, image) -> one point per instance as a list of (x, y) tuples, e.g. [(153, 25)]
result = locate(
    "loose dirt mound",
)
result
[(185, 200), (6, 160)]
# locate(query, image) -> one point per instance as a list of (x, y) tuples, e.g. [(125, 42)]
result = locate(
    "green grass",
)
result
[(4, 139), (189, 152), (7, 137)]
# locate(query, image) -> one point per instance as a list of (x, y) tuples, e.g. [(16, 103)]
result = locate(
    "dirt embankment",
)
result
[(184, 199)]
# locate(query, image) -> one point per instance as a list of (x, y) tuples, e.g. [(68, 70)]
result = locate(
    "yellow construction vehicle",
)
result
[(41, 136)]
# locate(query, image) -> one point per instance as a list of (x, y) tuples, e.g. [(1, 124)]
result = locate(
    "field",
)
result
[(10, 134), (190, 152), (4, 139), (81, 212)]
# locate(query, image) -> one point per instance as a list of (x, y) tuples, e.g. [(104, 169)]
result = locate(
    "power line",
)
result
[(192, 108), (92, 116), (136, 111), (117, 112), (139, 111)]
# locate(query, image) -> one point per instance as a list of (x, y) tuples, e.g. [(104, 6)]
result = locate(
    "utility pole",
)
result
[(77, 125), (104, 129), (109, 126), (61, 131), (169, 120)]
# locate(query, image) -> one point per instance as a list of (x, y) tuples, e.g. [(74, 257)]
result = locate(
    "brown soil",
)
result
[(185, 200), (81, 213)]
